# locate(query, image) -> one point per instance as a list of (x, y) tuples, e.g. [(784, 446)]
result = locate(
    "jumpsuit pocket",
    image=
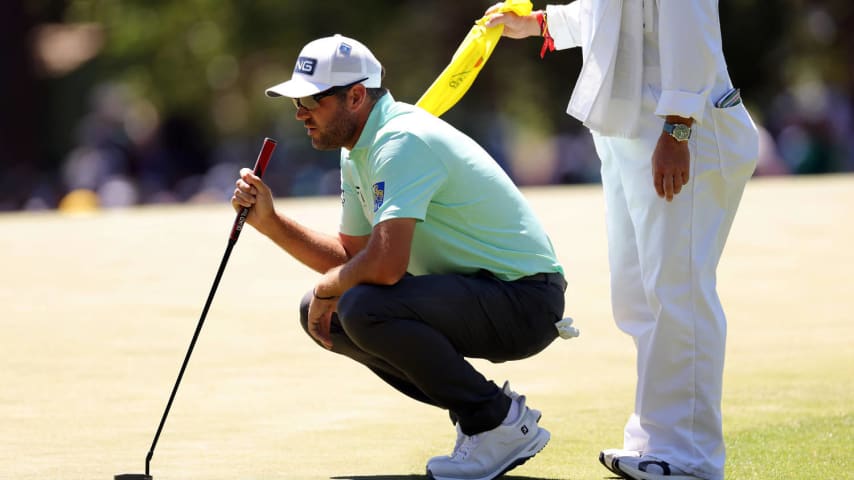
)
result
[(737, 142)]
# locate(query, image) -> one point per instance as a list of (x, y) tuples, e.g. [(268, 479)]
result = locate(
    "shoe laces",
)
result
[(458, 441), (467, 446)]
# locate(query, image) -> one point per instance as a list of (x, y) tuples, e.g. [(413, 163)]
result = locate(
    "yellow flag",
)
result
[(467, 61)]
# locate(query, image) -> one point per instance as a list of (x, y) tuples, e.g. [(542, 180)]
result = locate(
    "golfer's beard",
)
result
[(338, 133)]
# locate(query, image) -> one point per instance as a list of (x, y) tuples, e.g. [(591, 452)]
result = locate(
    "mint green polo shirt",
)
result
[(470, 216)]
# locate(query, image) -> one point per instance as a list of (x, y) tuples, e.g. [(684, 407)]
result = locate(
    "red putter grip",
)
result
[(260, 166), (264, 156)]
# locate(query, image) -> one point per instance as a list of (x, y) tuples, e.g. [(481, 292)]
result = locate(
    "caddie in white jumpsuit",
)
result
[(677, 147)]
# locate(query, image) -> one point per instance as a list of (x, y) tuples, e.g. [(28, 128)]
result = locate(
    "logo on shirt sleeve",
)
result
[(379, 195)]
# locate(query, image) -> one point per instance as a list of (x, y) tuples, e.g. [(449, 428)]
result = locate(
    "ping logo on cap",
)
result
[(305, 65)]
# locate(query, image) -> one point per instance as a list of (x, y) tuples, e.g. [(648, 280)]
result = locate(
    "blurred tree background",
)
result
[(154, 101)]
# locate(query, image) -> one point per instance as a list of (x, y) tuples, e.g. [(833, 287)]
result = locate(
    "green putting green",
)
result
[(97, 310)]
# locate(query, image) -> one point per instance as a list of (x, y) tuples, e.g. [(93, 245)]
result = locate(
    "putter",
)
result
[(260, 165)]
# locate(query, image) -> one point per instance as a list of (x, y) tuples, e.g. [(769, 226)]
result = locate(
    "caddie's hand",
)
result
[(514, 25), (671, 164), (320, 312), (252, 192)]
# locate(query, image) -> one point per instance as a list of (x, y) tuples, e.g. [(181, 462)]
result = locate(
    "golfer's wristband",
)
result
[(331, 297)]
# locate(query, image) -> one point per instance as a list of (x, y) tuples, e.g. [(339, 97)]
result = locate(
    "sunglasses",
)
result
[(313, 101)]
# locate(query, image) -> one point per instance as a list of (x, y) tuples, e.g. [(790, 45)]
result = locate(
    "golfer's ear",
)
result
[(357, 96)]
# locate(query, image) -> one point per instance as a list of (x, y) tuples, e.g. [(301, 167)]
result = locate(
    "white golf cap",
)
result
[(330, 62)]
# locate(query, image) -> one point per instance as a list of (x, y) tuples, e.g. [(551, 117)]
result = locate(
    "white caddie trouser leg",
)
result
[(663, 259)]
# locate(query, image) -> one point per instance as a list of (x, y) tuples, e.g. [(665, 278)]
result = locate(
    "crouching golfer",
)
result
[(439, 257)]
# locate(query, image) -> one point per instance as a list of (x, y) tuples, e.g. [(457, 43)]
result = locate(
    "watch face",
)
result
[(680, 131)]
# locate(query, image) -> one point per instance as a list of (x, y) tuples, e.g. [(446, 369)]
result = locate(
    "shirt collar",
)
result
[(375, 120)]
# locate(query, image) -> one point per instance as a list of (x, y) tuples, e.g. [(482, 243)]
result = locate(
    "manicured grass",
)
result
[(802, 447), (96, 313)]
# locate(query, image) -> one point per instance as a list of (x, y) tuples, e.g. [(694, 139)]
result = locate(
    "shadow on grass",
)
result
[(424, 477)]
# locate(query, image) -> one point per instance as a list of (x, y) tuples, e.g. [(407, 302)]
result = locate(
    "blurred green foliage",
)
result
[(187, 56), (210, 61)]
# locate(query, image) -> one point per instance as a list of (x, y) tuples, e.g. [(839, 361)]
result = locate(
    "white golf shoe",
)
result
[(513, 396), (489, 454), (461, 436), (459, 441), (647, 468), (608, 456)]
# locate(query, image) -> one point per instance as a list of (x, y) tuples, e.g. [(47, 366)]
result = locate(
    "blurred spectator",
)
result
[(812, 125), (577, 160), (141, 106), (770, 162)]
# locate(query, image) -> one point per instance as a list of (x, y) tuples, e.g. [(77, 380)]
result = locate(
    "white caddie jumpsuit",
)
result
[(663, 255)]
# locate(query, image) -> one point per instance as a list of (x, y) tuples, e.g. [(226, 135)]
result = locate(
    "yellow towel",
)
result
[(467, 61)]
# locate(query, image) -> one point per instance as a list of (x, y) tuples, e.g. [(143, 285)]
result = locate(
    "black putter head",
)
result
[(132, 476)]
